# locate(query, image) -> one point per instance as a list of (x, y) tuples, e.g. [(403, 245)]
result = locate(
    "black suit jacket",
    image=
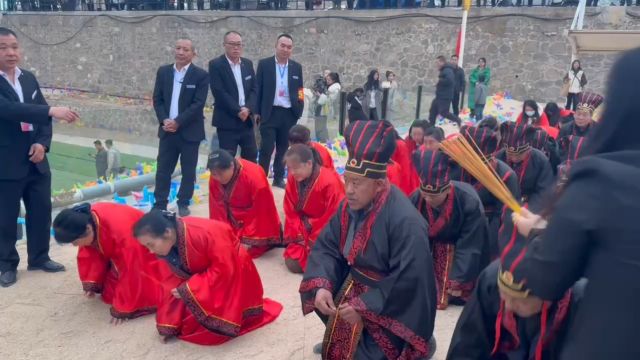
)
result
[(19, 112), (14, 143), (193, 96), (266, 78), (225, 91)]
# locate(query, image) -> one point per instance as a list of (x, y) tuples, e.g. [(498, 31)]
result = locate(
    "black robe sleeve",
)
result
[(326, 267), (543, 182), (472, 239), (555, 263), (474, 335)]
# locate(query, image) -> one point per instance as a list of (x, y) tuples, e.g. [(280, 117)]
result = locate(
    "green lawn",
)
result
[(71, 164)]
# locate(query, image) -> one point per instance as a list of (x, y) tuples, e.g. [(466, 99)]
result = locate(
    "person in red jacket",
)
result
[(240, 195), (300, 134), (213, 292), (531, 116), (415, 138), (110, 260), (312, 195)]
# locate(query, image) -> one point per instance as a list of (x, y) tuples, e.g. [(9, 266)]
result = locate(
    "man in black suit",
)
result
[(179, 97), (24, 170), (233, 84), (280, 103)]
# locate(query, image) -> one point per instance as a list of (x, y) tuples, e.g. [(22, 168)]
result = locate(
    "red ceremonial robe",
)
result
[(408, 179), (308, 206), (543, 124), (219, 286), (246, 203), (325, 155), (117, 266), (394, 174)]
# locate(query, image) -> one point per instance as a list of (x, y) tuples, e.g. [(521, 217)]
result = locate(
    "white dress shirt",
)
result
[(178, 78), (237, 74), (17, 87), (282, 98)]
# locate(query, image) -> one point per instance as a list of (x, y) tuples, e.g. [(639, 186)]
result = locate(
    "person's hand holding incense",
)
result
[(527, 221)]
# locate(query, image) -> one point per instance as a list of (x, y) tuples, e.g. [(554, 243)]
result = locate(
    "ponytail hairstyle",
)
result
[(71, 224), (155, 224)]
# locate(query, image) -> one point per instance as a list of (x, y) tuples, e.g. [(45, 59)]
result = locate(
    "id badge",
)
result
[(281, 93), (26, 127)]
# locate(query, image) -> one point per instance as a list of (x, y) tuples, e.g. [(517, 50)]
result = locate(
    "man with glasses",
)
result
[(233, 84)]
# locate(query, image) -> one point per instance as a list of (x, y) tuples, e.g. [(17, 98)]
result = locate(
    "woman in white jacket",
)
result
[(577, 81)]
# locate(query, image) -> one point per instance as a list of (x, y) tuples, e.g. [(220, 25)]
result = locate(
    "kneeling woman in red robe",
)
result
[(214, 292), (110, 260), (458, 231), (312, 195), (240, 195)]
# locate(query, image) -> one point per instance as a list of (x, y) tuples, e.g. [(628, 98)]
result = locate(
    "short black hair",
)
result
[(455, 55), (219, 160), (441, 58), (284, 35), (299, 134), (7, 32), (108, 142), (489, 122), (97, 142), (435, 132), (71, 224)]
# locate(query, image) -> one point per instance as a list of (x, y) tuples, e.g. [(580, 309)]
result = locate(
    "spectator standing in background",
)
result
[(179, 97), (577, 81), (113, 160), (481, 69), (481, 97), (101, 160), (233, 84), (460, 84), (318, 102), (333, 94), (392, 84), (444, 92), (355, 109), (279, 104), (373, 95)]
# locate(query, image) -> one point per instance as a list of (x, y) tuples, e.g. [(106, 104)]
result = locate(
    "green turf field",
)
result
[(71, 164)]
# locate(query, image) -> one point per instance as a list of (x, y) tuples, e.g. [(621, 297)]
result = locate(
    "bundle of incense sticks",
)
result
[(472, 160)]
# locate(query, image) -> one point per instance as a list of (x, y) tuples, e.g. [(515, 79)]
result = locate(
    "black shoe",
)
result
[(48, 266), (8, 278), (183, 211), (279, 183), (317, 348)]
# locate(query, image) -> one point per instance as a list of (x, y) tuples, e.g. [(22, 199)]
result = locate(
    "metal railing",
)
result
[(177, 5)]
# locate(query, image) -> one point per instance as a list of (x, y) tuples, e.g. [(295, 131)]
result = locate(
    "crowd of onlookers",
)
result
[(118, 5)]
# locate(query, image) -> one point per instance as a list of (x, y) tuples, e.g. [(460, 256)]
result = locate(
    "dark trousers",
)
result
[(275, 133), (572, 101), (35, 190), (173, 147), (230, 140), (479, 112), (373, 114), (456, 103), (441, 107)]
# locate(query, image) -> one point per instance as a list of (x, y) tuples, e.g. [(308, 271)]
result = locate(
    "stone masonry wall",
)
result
[(118, 53)]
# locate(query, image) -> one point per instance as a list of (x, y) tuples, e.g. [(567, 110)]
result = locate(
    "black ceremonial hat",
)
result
[(370, 144)]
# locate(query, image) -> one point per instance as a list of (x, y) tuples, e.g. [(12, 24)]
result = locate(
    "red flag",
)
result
[(458, 42)]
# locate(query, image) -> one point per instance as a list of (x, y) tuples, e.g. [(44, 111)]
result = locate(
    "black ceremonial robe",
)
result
[(458, 236), (593, 232), (534, 177), (378, 261), (478, 337)]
